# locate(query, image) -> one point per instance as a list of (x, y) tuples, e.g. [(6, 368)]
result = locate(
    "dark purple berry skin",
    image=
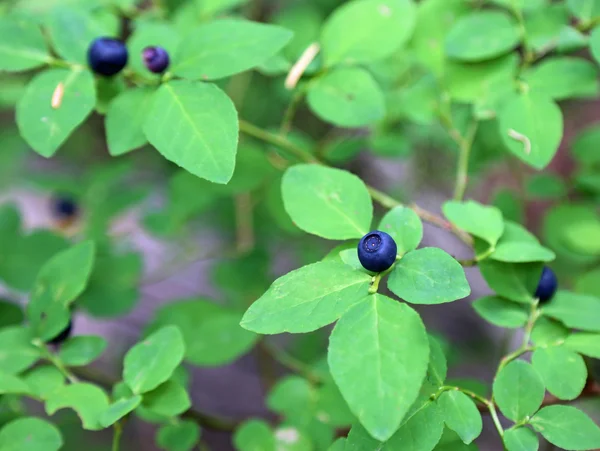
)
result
[(547, 285), (377, 251), (64, 207), (107, 56), (62, 336), (156, 59)]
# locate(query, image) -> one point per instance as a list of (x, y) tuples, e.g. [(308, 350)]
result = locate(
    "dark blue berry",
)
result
[(547, 285), (62, 336), (64, 207), (156, 59), (107, 56), (377, 251)]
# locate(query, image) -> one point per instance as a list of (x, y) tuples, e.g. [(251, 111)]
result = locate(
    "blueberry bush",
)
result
[(264, 120)]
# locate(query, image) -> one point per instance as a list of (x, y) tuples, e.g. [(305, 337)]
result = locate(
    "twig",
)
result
[(462, 172), (118, 431), (301, 65), (244, 222), (290, 362)]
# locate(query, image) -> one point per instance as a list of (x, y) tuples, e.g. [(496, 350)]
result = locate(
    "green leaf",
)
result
[(347, 97), (292, 396), (327, 202), (563, 78), (405, 226), (151, 362), (43, 380), (585, 343), (509, 204), (125, 120), (435, 19), (563, 371), (421, 432), (182, 436), (429, 276), (479, 220), (514, 281), (226, 47), (169, 399), (461, 415), (484, 84), (546, 186), (577, 311), (383, 380), (583, 237), (30, 434), (60, 281), (501, 312), (338, 445), (521, 439), (207, 128), (331, 408), (531, 126), (212, 7), (595, 43), (518, 245), (546, 332), (10, 383), (118, 410), (567, 427), (120, 295), (212, 333), (24, 256), (10, 314), (254, 435), (16, 351), (305, 21), (89, 401), (23, 46), (518, 390), (46, 127), (481, 36), (362, 31), (72, 30), (81, 350), (585, 10), (307, 299)]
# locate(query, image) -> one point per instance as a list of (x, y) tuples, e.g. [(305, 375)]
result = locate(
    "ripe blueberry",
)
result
[(156, 59), (107, 56), (64, 207), (547, 285), (62, 336), (377, 251)]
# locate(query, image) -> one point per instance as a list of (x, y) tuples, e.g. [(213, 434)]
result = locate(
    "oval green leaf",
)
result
[(380, 382)]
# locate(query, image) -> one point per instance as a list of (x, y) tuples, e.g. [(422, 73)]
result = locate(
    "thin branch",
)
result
[(378, 196), (462, 172), (301, 65)]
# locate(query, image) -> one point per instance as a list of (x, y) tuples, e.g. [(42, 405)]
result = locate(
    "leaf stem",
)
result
[(244, 219), (462, 171), (288, 361), (118, 431), (55, 360), (378, 196), (290, 112)]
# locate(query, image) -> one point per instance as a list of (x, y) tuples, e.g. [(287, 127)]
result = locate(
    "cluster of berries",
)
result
[(108, 57)]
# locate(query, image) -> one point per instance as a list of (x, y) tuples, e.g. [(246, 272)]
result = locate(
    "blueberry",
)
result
[(377, 251), (64, 207), (62, 336), (156, 59), (547, 285), (107, 56)]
